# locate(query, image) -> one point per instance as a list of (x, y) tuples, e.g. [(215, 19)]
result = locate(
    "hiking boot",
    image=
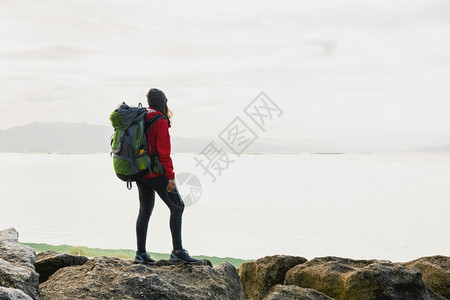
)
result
[(182, 256), (143, 258)]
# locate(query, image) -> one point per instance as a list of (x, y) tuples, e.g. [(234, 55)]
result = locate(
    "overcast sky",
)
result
[(355, 74)]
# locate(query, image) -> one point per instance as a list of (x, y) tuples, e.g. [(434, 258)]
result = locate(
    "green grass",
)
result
[(123, 253)]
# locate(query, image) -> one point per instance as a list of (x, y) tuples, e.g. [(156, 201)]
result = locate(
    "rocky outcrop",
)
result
[(49, 262), (270, 278), (260, 276), (436, 273), (13, 294), (76, 277), (342, 278), (17, 271), (114, 278), (292, 292)]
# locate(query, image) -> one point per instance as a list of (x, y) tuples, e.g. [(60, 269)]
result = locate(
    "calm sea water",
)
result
[(387, 206)]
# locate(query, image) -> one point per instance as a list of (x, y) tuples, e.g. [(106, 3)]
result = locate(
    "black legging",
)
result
[(147, 188)]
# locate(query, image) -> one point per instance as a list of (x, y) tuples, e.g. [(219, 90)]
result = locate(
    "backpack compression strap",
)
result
[(147, 127), (152, 121)]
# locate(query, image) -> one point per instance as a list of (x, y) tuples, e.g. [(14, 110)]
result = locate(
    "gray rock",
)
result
[(260, 276), (17, 264), (13, 294), (342, 278), (9, 235), (436, 273), (14, 252), (114, 278), (49, 262), (292, 292), (22, 278)]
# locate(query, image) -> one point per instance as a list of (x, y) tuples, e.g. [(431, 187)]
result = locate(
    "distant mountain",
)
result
[(444, 148), (272, 145), (56, 137), (265, 145), (181, 144), (63, 137)]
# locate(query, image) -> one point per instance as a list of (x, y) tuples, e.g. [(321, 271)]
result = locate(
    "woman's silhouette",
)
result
[(162, 181)]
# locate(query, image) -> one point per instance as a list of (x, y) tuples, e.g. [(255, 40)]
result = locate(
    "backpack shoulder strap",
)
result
[(152, 121)]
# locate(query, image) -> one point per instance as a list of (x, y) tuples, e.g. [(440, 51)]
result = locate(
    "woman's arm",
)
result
[(163, 147)]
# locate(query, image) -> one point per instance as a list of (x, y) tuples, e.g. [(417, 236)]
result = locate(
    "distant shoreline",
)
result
[(124, 253)]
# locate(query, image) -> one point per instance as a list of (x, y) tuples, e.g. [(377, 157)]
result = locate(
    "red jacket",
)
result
[(158, 138)]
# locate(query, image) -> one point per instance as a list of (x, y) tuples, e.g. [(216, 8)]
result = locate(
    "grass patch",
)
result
[(123, 253)]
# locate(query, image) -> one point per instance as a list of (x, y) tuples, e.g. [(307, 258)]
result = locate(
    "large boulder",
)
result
[(260, 276), (14, 252), (49, 262), (292, 292), (436, 273), (114, 278), (342, 278), (17, 265)]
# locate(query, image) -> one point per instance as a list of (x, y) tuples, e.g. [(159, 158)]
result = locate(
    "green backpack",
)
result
[(129, 145)]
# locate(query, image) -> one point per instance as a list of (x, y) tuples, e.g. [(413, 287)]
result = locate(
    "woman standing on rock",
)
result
[(163, 182)]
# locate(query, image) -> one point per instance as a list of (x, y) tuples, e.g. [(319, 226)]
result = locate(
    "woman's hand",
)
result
[(171, 185)]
